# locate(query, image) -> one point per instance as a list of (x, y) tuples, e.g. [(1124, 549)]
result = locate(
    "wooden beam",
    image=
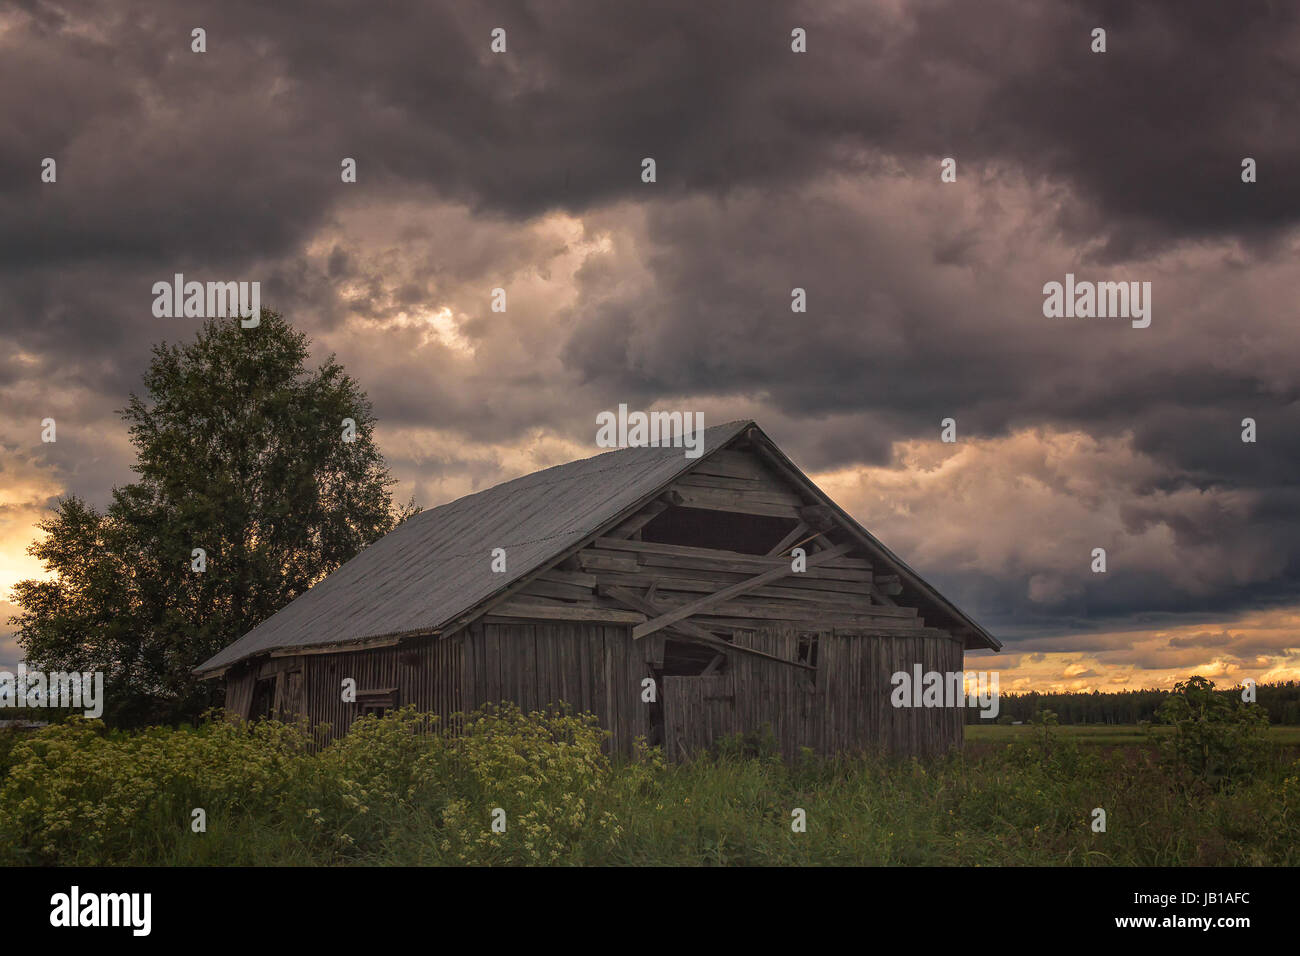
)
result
[(363, 645), (738, 502), (796, 594), (789, 540), (565, 612), (749, 605), (554, 589), (877, 627), (576, 578), (772, 494), (706, 582), (694, 607), (666, 564), (690, 631), (733, 464), (738, 557), (590, 561)]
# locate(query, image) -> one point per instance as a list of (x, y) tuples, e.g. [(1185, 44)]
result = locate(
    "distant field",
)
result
[(1105, 735)]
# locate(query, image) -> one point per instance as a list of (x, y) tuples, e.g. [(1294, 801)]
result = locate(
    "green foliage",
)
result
[(1216, 740), (544, 770), (403, 790), (76, 793), (760, 744), (239, 452)]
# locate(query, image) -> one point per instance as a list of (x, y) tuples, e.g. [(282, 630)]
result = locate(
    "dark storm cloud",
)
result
[(774, 171), (246, 138)]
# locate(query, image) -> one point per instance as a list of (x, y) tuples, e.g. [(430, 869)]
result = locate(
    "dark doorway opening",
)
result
[(263, 705)]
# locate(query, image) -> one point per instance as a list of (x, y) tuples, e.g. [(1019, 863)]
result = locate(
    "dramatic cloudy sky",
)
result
[(775, 170)]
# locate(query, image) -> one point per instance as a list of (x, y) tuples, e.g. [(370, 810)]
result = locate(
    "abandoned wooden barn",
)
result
[(638, 563)]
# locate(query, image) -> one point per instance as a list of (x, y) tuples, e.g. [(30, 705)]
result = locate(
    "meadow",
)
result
[(1109, 735), (392, 793)]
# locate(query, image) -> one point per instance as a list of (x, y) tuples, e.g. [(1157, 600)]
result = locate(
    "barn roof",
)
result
[(433, 569)]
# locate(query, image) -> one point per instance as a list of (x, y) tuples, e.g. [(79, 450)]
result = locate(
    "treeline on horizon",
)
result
[(1280, 699)]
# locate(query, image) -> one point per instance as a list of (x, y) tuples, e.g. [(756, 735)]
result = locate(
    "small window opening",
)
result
[(689, 659), (377, 702)]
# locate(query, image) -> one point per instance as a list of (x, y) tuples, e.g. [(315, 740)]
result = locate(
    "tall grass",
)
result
[(391, 792)]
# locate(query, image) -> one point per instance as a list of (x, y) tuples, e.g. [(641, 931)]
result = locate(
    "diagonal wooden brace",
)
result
[(630, 599), (726, 594)]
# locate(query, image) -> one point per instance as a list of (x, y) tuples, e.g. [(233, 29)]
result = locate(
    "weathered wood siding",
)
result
[(593, 667), (845, 706), (425, 672), (239, 689)]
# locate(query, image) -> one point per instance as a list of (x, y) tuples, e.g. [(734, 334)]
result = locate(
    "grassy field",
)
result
[(1108, 735), (223, 794)]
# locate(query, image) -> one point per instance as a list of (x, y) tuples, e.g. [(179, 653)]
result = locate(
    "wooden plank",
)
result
[(342, 648), (790, 540), (650, 561), (680, 591), (761, 603), (705, 581), (733, 614), (734, 458), (649, 627), (529, 699), (755, 490), (565, 612), (716, 554), (869, 627), (738, 502), (733, 464), (801, 610), (685, 628), (575, 578), (553, 589), (593, 561)]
